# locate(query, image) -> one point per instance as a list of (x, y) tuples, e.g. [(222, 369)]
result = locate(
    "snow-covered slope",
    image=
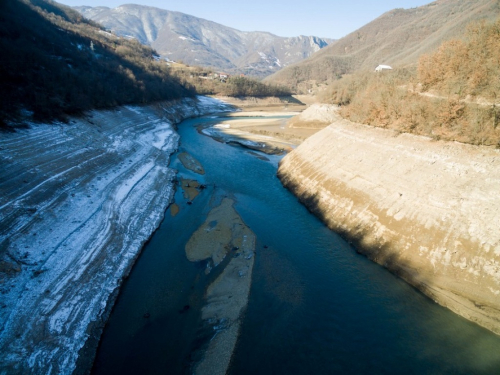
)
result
[(77, 203)]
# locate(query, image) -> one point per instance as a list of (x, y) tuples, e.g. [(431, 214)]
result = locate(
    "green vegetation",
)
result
[(452, 94), (54, 63)]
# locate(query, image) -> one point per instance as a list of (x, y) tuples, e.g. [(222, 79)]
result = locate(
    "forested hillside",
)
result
[(207, 82), (55, 62), (453, 94)]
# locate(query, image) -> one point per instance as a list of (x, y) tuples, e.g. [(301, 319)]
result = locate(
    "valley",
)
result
[(178, 196), (310, 292), (78, 203)]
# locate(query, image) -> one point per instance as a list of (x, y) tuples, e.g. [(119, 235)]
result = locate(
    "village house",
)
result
[(223, 76), (382, 67)]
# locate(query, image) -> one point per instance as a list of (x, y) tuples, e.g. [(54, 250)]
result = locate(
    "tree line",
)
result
[(206, 82)]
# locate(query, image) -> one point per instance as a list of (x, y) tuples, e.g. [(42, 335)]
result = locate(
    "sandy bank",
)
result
[(189, 162), (428, 211), (223, 235), (77, 202), (268, 125), (191, 188), (257, 142)]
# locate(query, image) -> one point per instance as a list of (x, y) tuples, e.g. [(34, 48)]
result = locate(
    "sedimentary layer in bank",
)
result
[(77, 202), (427, 210)]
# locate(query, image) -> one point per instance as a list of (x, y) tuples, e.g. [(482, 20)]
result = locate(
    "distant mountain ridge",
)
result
[(196, 41), (398, 37)]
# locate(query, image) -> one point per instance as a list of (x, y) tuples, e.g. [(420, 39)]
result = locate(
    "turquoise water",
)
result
[(315, 306)]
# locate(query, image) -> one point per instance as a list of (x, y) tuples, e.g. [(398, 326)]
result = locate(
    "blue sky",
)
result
[(324, 18)]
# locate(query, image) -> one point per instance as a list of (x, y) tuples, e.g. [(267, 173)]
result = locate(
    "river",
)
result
[(315, 305)]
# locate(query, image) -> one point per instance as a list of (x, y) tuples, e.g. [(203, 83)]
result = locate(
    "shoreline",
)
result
[(423, 209), (268, 126), (109, 165), (222, 236), (79, 201)]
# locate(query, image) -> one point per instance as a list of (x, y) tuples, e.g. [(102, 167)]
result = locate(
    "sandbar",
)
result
[(189, 162), (223, 234)]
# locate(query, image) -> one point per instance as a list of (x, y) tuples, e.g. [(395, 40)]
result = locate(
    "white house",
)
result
[(382, 67)]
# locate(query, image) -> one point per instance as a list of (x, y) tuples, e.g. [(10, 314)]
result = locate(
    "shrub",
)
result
[(233, 86), (450, 95)]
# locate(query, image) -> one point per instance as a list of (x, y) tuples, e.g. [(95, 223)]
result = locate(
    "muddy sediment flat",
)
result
[(271, 128), (191, 188), (271, 121), (174, 209), (255, 134), (223, 234)]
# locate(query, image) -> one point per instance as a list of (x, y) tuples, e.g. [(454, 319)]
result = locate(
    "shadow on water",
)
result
[(316, 306), (441, 342)]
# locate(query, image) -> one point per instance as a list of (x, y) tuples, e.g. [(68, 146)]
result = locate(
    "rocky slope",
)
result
[(427, 210), (77, 202), (196, 41), (317, 116), (398, 37)]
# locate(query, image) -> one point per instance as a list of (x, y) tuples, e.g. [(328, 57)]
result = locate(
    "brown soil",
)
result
[(174, 209), (191, 188), (275, 134)]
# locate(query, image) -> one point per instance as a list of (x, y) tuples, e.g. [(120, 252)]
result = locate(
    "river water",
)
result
[(315, 305)]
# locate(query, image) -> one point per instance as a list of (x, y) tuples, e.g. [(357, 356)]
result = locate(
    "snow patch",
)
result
[(77, 203), (186, 38)]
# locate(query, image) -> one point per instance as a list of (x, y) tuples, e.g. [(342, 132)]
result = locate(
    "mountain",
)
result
[(54, 63), (397, 37), (196, 41)]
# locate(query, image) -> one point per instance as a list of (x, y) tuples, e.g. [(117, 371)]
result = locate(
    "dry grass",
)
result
[(465, 67), (398, 37), (440, 98)]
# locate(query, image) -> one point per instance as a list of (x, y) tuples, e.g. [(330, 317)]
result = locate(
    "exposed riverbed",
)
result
[(314, 306), (77, 203)]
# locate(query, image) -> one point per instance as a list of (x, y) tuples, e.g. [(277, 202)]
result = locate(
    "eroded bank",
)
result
[(427, 210), (77, 203)]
